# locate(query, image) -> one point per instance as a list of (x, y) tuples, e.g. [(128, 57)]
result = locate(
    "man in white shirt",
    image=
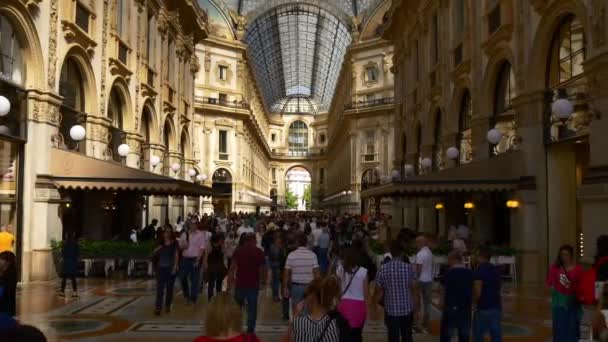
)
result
[(244, 228), (301, 268), (424, 267)]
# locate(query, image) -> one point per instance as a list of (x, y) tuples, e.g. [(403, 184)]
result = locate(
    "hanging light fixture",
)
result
[(452, 152), (439, 206), (77, 133), (494, 136), (199, 178), (154, 161), (469, 205), (204, 177), (123, 150), (426, 162), (192, 172), (562, 109), (5, 106), (512, 204), (175, 167)]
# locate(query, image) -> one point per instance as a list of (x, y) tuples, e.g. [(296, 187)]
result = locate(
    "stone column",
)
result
[(40, 201), (98, 136), (526, 238), (134, 141)]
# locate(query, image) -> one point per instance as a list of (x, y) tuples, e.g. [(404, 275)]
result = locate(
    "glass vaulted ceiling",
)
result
[(297, 51)]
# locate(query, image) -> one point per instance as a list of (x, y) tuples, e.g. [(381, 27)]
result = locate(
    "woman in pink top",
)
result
[(566, 312)]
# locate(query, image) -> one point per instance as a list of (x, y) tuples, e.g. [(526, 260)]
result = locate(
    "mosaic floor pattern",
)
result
[(121, 310)]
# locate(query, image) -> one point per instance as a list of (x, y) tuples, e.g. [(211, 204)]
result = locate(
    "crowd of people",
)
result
[(322, 274)]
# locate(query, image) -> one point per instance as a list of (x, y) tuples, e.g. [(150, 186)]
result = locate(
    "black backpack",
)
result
[(341, 322)]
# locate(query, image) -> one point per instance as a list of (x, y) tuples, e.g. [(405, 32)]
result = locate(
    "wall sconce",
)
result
[(469, 205), (512, 204), (439, 206)]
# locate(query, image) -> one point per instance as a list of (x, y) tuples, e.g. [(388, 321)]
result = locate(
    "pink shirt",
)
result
[(194, 246), (562, 281)]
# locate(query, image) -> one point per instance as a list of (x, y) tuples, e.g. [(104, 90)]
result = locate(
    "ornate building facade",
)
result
[(501, 112)]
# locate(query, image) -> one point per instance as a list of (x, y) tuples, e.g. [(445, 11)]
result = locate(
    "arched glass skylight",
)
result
[(297, 52)]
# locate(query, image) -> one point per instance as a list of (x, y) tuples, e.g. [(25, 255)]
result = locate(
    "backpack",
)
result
[(584, 289)]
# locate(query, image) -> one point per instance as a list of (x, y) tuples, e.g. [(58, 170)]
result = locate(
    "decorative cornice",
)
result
[(74, 34)]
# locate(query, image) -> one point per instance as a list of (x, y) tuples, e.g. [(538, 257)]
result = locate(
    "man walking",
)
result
[(301, 268), (487, 299), (246, 270), (456, 299), (424, 268), (396, 283), (192, 243)]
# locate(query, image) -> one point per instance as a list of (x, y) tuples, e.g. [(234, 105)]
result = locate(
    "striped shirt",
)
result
[(305, 329), (302, 262)]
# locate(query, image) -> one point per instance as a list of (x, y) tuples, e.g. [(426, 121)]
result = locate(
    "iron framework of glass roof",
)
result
[(349, 7), (297, 52)]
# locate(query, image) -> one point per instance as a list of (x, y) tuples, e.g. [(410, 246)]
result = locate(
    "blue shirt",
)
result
[(490, 298), (395, 278), (458, 285)]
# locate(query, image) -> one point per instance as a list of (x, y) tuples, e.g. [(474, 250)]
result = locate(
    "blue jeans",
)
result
[(249, 297), (566, 323), (323, 260), (426, 291), (190, 275), (297, 295), (458, 319), (165, 279), (487, 322)]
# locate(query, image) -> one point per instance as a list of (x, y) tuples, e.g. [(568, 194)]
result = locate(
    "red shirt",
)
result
[(564, 282), (240, 338), (248, 261)]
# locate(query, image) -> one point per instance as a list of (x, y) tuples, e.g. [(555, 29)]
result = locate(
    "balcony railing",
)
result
[(302, 154), (221, 102), (370, 103)]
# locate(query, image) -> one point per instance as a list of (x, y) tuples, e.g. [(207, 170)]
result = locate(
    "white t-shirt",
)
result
[(242, 230), (302, 263), (356, 289), (425, 258)]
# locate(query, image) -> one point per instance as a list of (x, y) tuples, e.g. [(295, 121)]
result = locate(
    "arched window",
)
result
[(11, 60), (504, 90), (116, 108), (183, 145), (71, 88), (565, 77), (465, 116), (437, 143), (298, 139), (504, 117), (567, 52), (370, 178)]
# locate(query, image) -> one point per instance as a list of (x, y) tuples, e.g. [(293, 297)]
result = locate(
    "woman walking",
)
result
[(70, 253), (566, 312), (214, 265), (354, 292), (223, 322), (319, 325), (166, 257)]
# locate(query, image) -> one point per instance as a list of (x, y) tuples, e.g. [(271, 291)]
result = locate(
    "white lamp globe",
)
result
[(562, 109), (408, 168), (395, 174), (343, 193), (192, 172), (494, 136), (5, 130), (5, 106), (123, 150), (204, 177), (452, 152), (349, 192), (154, 161), (199, 178), (175, 167), (426, 162), (77, 133)]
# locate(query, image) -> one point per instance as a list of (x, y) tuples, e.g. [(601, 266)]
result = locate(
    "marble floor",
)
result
[(121, 310)]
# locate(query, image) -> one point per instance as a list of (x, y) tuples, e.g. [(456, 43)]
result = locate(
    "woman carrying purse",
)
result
[(354, 285)]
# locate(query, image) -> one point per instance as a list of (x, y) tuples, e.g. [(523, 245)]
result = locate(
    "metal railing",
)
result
[(221, 102), (370, 103)]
